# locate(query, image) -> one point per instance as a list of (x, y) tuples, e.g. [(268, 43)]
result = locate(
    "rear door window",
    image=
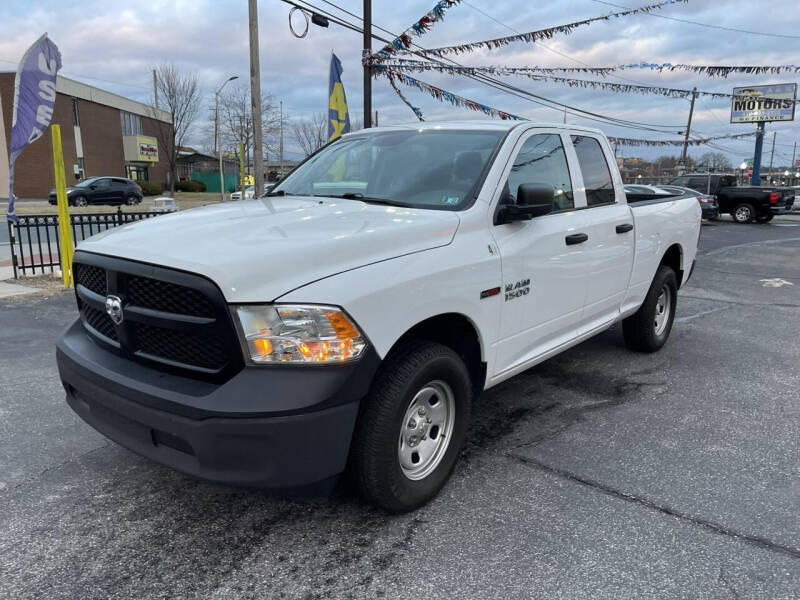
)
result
[(594, 167)]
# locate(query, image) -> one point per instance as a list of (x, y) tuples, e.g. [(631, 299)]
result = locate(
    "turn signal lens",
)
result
[(299, 334)]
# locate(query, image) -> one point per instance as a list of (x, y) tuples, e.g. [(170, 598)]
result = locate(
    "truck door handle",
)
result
[(624, 228), (576, 238)]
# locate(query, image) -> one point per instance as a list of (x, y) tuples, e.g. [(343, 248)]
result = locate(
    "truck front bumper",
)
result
[(267, 427)]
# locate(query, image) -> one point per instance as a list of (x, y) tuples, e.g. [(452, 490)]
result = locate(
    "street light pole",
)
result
[(217, 142)]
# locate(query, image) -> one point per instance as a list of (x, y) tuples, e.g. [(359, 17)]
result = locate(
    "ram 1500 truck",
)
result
[(350, 318), (744, 203)]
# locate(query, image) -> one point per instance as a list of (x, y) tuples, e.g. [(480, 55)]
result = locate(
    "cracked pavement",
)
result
[(598, 474)]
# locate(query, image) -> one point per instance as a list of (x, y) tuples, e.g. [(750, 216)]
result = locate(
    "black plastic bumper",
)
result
[(269, 427)]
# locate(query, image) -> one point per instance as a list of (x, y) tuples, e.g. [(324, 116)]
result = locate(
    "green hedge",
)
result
[(151, 189), (190, 186)]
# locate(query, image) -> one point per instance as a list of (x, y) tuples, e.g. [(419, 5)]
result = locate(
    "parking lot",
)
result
[(598, 474)]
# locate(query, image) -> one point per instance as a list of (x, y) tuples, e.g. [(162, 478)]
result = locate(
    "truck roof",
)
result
[(480, 125)]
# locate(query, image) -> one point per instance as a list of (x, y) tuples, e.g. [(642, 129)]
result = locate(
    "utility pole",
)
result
[(376, 119), (794, 154), (367, 67), (688, 128), (772, 156), (155, 88), (255, 101), (280, 148), (756, 179)]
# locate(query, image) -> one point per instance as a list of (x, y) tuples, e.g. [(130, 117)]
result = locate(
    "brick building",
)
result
[(102, 134)]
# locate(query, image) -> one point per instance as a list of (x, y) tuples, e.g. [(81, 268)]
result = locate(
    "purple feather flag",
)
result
[(34, 99)]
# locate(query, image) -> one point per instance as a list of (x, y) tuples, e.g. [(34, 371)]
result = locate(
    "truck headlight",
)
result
[(313, 334)]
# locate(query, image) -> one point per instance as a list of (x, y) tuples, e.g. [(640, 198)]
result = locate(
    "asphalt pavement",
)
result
[(598, 474)]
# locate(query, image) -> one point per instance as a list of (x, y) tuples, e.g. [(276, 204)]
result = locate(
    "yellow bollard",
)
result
[(64, 229), (241, 169)]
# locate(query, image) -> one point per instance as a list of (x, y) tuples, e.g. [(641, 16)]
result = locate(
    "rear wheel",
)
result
[(648, 328), (412, 427), (743, 213), (80, 201), (764, 218), (132, 200)]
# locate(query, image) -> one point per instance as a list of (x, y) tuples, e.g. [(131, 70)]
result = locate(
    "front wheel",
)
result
[(764, 218), (80, 201), (649, 327), (412, 427), (744, 213)]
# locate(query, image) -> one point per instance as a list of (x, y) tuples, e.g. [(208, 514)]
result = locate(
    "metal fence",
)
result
[(34, 239)]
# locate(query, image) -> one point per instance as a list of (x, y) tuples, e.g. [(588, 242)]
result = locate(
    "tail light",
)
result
[(138, 188), (773, 198)]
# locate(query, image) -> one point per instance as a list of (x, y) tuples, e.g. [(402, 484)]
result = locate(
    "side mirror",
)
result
[(533, 200)]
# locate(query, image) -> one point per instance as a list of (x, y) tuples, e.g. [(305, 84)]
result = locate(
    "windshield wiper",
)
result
[(368, 199), (278, 193)]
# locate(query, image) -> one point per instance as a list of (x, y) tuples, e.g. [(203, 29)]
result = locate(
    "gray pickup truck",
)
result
[(744, 203)]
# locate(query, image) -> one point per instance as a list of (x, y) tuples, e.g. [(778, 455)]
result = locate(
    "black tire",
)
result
[(80, 201), (764, 218), (743, 213), (132, 200), (375, 457), (640, 330)]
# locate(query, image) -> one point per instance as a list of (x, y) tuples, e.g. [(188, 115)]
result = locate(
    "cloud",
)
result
[(114, 44)]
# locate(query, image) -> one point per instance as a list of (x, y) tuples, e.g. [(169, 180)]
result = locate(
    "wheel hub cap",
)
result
[(426, 430), (663, 308)]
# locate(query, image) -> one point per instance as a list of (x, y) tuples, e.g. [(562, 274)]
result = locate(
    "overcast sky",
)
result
[(113, 43)]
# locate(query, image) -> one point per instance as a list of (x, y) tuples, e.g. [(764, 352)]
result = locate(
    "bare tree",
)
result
[(311, 134), (179, 95), (716, 161)]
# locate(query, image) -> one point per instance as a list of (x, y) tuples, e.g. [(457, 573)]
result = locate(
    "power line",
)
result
[(764, 33), (126, 83)]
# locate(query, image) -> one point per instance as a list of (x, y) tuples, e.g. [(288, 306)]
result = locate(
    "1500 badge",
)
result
[(518, 289)]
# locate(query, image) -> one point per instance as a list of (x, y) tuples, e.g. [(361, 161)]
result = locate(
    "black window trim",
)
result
[(590, 134)]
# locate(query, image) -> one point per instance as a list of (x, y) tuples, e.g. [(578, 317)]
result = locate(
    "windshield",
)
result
[(86, 182), (418, 168)]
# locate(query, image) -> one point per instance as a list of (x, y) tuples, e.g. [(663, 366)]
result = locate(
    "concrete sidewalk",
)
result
[(12, 289)]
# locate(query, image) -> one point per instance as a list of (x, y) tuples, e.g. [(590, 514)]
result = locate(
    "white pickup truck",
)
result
[(350, 318)]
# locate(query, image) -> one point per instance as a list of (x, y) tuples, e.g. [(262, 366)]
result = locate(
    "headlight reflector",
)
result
[(299, 334)]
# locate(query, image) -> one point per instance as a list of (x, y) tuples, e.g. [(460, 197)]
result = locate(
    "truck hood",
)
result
[(258, 250)]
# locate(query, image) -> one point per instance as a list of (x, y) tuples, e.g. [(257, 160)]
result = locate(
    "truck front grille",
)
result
[(172, 321)]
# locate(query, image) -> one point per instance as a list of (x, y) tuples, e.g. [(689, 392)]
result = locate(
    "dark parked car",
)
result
[(102, 190), (708, 203), (746, 203)]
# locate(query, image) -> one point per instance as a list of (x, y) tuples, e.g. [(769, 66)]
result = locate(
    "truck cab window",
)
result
[(542, 160), (596, 176), (698, 184)]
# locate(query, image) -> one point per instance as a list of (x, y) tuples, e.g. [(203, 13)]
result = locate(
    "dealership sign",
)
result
[(761, 103), (148, 151)]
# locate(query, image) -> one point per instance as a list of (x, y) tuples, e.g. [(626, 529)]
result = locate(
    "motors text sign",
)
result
[(764, 103)]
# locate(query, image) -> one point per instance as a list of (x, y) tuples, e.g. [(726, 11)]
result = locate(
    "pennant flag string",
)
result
[(445, 96), (416, 110), (620, 141), (536, 73), (716, 70), (403, 42), (530, 36), (455, 100), (423, 65)]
